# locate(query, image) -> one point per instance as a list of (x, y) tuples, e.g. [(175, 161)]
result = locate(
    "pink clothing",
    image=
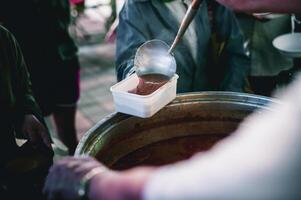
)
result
[(77, 1)]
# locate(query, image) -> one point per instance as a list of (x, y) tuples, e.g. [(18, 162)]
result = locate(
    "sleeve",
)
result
[(26, 103), (131, 33), (238, 56), (59, 15), (259, 161)]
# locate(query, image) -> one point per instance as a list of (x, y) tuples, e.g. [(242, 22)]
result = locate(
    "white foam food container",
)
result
[(289, 44), (142, 105)]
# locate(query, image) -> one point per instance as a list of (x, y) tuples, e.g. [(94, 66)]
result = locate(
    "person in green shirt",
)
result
[(267, 63), (20, 117)]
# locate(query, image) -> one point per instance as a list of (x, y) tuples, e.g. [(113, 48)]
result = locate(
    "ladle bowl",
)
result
[(153, 57)]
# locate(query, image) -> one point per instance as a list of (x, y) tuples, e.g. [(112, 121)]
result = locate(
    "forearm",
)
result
[(251, 164), (127, 185), (251, 6), (275, 6)]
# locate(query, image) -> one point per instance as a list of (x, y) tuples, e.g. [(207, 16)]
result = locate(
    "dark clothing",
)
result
[(263, 85), (41, 28), (266, 60), (16, 97), (56, 86), (142, 20), (270, 70), (22, 170)]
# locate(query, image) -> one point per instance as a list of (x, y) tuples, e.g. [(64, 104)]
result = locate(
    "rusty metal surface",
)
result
[(192, 122)]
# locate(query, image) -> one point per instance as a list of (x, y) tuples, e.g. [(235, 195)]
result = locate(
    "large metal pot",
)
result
[(192, 122)]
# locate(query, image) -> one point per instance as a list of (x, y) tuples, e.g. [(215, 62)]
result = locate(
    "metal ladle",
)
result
[(155, 56)]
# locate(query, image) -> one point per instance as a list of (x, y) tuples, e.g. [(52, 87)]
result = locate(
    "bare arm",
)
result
[(66, 177), (261, 160), (127, 185), (276, 6)]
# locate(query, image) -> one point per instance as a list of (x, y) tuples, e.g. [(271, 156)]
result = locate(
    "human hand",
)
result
[(68, 177), (35, 131)]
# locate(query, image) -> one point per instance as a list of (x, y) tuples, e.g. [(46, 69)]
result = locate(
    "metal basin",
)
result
[(191, 123)]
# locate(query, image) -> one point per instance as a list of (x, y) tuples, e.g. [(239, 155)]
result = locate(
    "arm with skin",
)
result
[(276, 6), (66, 175), (251, 164), (261, 160), (126, 185)]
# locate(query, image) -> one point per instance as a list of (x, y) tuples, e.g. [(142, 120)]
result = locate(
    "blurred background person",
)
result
[(253, 6), (22, 169), (41, 27), (260, 160), (269, 68), (210, 56)]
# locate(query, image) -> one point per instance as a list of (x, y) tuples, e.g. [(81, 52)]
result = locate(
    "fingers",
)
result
[(35, 131), (65, 177), (54, 181)]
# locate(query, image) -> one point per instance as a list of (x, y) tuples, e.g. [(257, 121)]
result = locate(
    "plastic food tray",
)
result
[(142, 105)]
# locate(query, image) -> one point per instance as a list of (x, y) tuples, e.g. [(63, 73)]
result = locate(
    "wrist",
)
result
[(84, 185), (102, 186), (127, 185), (134, 181)]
